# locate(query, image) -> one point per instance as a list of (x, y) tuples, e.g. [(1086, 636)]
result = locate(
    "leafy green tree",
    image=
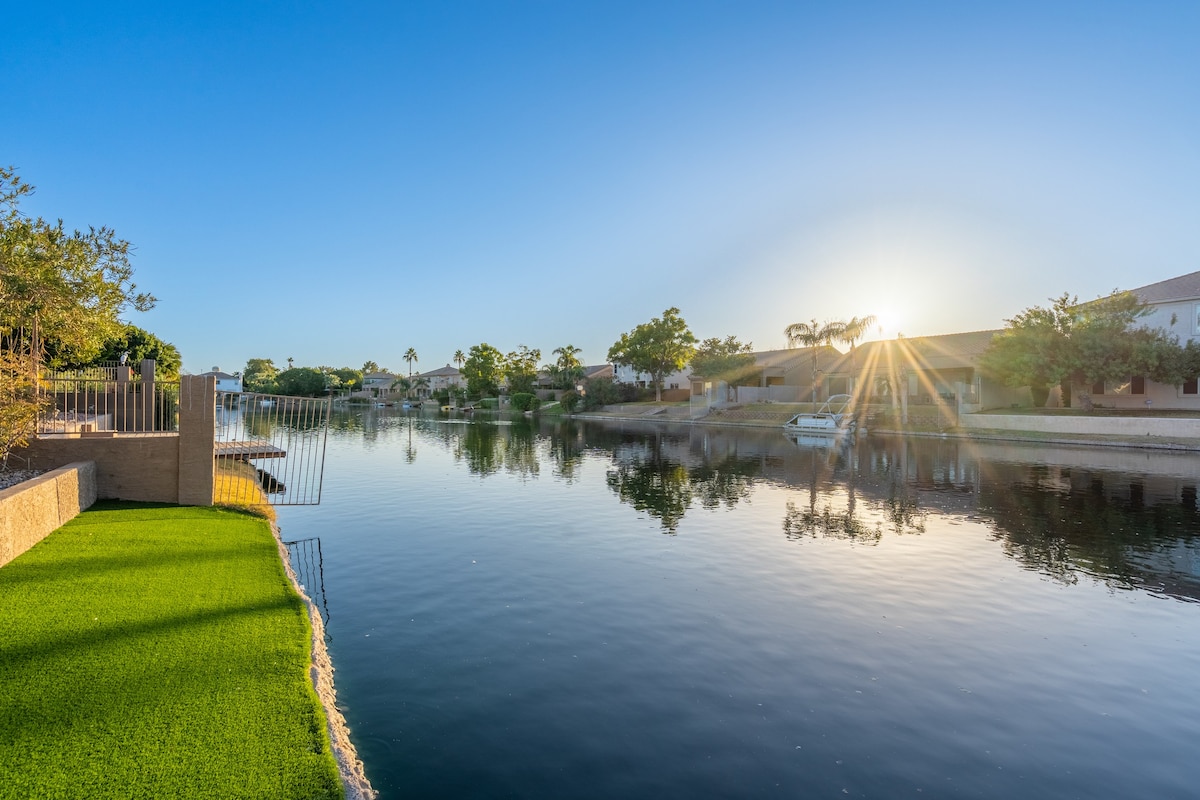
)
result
[(658, 347), (140, 345), (725, 360), (260, 376), (301, 382), (1080, 344), (66, 287), (370, 366), (483, 369), (131, 342), (20, 402), (350, 379), (814, 334), (520, 370)]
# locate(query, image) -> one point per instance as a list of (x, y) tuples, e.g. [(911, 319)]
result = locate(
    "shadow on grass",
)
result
[(48, 647)]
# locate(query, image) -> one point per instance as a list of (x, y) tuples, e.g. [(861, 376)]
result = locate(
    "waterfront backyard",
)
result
[(634, 609), (158, 651)]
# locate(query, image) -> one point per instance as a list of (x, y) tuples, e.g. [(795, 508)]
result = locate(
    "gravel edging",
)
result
[(11, 478), (350, 767)]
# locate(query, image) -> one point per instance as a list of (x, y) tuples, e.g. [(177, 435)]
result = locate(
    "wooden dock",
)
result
[(245, 450)]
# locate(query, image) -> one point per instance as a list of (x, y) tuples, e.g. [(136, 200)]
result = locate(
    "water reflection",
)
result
[(1125, 517)]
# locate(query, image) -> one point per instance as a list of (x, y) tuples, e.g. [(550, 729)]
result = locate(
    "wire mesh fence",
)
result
[(269, 449)]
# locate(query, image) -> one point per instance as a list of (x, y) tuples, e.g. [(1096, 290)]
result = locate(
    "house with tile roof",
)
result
[(439, 379), (939, 372), (780, 376), (378, 384)]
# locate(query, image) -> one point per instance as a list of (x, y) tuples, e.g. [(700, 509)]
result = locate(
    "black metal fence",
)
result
[(270, 449)]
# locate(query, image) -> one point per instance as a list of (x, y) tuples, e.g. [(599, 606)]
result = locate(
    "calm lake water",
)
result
[(608, 610)]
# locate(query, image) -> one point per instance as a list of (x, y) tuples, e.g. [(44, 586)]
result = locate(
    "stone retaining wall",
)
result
[(30, 511)]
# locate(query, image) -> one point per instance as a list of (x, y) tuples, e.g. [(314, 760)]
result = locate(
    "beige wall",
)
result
[(31, 510), (143, 467), (1164, 427), (146, 467)]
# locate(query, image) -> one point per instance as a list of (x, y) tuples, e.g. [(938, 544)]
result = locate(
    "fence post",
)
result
[(197, 431)]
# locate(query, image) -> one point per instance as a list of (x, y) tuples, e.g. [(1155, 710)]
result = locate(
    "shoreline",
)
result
[(350, 766), (987, 435)]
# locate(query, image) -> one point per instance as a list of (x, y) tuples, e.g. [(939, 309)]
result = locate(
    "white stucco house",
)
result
[(1174, 306), (622, 373), (225, 381), (446, 377)]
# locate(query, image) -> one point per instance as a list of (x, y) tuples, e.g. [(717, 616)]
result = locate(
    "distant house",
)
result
[(924, 370), (623, 373), (781, 376), (598, 372), (379, 384), (440, 379), (1174, 306), (225, 381)]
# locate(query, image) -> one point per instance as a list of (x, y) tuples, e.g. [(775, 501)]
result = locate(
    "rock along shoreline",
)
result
[(350, 767)]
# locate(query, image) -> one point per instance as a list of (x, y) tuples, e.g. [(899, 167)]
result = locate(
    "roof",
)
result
[(1185, 287), (793, 357), (946, 351), (221, 376), (441, 372), (598, 371), (379, 376)]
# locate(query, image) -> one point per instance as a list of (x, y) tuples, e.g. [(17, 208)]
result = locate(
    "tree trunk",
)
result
[(1064, 388), (1040, 395)]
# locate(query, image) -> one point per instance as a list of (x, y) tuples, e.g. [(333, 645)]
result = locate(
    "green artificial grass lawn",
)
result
[(158, 652)]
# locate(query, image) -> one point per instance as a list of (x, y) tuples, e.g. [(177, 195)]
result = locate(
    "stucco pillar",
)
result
[(197, 430)]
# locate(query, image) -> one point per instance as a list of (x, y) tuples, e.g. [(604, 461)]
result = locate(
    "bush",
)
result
[(523, 401), (599, 392), (569, 400)]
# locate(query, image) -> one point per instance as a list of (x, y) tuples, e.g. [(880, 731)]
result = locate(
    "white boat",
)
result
[(832, 418)]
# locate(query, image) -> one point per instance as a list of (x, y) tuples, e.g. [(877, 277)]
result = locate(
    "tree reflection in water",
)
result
[(665, 486), (1126, 530), (1099, 512)]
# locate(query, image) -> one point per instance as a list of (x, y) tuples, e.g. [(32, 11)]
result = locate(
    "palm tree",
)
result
[(812, 334), (410, 355), (459, 358), (568, 366), (853, 330)]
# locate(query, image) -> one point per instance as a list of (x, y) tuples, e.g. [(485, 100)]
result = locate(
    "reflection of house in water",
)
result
[(1126, 517)]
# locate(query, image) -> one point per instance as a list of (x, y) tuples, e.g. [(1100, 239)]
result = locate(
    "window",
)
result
[(1190, 386), (1137, 384), (1098, 387)]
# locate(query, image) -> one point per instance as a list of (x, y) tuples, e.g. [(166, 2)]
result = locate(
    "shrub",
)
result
[(569, 400), (599, 392), (523, 401)]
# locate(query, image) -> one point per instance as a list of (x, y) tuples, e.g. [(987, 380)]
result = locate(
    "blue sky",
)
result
[(342, 181)]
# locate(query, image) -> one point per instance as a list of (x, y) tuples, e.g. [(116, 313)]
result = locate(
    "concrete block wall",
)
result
[(1164, 427), (31, 510), (146, 467)]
